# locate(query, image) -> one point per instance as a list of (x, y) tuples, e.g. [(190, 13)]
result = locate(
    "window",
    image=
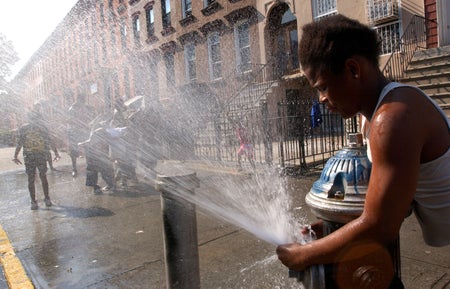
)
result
[(126, 81), (293, 38), (102, 13), (187, 8), (189, 56), (150, 18), (390, 37), (165, 7), (123, 33), (104, 49), (208, 2), (96, 58), (113, 40), (323, 8), (215, 60), (242, 39), (169, 61), (136, 30)]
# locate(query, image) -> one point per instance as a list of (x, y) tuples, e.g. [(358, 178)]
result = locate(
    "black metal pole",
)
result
[(180, 231)]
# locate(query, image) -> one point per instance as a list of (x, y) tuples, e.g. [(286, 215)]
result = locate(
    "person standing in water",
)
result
[(409, 152), (80, 115), (245, 146), (34, 138)]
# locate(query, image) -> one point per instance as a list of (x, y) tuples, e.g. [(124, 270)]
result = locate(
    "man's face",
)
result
[(335, 90)]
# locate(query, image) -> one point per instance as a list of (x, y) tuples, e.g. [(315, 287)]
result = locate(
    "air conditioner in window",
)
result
[(382, 11)]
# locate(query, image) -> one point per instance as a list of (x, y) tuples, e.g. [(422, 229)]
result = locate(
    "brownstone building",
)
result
[(122, 48), (203, 56)]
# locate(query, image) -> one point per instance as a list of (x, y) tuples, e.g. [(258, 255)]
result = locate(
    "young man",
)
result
[(34, 138), (97, 156), (79, 117), (410, 152)]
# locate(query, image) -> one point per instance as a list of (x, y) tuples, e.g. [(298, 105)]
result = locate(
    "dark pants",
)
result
[(94, 167), (33, 162)]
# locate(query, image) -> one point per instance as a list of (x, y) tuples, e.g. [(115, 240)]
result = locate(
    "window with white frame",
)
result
[(215, 59), (186, 7), (242, 43), (323, 8), (189, 56), (150, 19), (390, 37)]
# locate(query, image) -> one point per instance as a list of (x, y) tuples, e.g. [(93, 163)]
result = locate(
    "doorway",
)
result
[(443, 15)]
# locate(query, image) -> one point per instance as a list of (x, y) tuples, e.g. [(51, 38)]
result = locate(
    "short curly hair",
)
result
[(327, 43)]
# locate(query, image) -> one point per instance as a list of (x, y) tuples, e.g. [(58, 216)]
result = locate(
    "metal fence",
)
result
[(288, 140)]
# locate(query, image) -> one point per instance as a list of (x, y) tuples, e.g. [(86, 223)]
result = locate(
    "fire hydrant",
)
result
[(337, 198)]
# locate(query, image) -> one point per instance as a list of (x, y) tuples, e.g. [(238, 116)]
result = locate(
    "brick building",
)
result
[(207, 53)]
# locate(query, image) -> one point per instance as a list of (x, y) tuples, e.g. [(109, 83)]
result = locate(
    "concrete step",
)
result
[(435, 88), (427, 78), (424, 55), (426, 69), (430, 71), (430, 62)]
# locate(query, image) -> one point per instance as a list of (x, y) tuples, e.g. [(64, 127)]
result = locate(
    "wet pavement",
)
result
[(115, 240), (3, 284)]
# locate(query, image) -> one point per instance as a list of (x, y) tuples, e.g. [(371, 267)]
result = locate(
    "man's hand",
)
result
[(17, 161), (290, 256)]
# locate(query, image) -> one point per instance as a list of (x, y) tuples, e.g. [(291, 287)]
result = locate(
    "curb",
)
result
[(15, 274)]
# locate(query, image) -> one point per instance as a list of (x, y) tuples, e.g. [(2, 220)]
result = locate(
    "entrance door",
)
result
[(444, 22)]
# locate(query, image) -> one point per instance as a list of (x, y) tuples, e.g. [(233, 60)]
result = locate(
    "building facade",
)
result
[(209, 54)]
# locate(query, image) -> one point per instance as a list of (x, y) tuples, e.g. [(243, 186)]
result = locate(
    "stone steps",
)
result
[(430, 71)]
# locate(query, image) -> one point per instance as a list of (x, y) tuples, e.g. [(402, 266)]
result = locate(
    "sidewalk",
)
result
[(230, 257)]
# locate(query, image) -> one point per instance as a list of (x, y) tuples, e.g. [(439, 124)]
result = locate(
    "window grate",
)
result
[(381, 11), (323, 8), (389, 35)]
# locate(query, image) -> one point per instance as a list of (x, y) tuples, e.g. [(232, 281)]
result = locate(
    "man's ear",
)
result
[(353, 66)]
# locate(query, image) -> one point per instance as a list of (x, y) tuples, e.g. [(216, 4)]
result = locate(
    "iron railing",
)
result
[(413, 39), (259, 78)]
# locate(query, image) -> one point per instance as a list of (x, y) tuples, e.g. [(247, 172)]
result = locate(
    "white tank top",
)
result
[(432, 197)]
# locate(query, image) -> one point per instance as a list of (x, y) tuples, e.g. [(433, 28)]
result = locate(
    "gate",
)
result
[(307, 137)]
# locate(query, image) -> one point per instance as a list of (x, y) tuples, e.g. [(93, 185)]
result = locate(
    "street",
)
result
[(115, 240)]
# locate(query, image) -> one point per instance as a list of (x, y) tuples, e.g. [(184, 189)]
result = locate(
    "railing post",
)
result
[(280, 125), (267, 133)]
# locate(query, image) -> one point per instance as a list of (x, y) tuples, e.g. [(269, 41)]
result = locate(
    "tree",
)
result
[(8, 57), (8, 101)]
